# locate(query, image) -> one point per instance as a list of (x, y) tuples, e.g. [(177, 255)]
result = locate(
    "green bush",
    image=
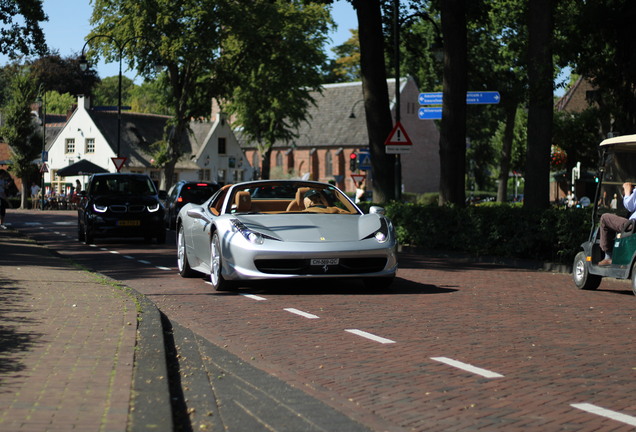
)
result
[(507, 231)]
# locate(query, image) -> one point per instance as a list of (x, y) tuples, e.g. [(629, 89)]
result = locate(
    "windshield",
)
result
[(620, 167), (123, 185), (289, 197)]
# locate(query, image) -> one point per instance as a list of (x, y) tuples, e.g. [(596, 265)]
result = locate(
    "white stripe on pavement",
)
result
[(370, 336), (623, 418), (469, 368), (254, 297), (301, 313)]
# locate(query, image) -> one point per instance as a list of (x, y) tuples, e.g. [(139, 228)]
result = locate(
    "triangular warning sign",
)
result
[(398, 136), (119, 162)]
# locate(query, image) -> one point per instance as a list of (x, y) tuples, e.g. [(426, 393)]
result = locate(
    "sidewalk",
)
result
[(73, 354)]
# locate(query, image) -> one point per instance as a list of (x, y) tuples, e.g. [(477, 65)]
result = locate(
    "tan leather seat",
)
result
[(243, 202), (298, 203)]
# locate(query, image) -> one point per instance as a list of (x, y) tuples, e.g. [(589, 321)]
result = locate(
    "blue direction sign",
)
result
[(486, 97), (434, 98), (430, 113), (472, 97), (364, 160)]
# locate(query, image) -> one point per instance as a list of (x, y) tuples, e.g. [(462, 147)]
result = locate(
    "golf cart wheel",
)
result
[(634, 278), (581, 275)]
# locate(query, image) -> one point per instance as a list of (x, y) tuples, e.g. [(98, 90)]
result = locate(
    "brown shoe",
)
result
[(605, 262)]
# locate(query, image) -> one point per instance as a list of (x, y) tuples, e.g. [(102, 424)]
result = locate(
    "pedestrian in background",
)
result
[(35, 195)]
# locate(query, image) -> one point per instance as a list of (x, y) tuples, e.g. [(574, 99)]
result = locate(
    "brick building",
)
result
[(336, 127)]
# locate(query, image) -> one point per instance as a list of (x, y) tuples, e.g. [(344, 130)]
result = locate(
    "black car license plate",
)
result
[(128, 223)]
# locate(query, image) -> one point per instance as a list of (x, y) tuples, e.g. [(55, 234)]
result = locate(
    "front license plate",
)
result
[(324, 261), (128, 223)]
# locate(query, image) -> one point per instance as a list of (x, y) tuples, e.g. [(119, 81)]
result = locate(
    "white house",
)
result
[(210, 152)]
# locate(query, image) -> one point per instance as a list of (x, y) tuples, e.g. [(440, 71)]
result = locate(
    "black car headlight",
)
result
[(100, 208), (154, 207), (251, 236)]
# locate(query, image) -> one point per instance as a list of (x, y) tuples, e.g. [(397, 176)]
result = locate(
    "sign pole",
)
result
[(398, 162)]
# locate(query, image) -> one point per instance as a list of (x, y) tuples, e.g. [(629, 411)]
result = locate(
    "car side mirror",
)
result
[(198, 213), (163, 195), (377, 209)]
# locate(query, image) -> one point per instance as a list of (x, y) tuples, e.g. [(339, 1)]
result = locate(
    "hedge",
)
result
[(507, 231)]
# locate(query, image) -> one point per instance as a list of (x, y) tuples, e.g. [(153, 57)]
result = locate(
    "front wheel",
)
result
[(581, 274), (88, 236), (80, 231), (216, 264), (182, 258)]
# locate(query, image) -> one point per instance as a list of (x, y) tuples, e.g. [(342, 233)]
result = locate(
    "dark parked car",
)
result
[(120, 205), (184, 192)]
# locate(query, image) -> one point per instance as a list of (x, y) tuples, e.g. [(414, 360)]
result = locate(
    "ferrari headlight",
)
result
[(100, 208), (153, 207), (251, 236), (382, 234)]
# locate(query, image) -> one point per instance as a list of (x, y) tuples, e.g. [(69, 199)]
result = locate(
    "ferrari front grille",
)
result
[(303, 267)]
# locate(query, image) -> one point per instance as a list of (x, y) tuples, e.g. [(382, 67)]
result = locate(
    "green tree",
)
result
[(106, 93), (150, 97), (57, 103), (63, 74), (21, 131), (20, 31), (185, 37), (278, 70), (347, 63)]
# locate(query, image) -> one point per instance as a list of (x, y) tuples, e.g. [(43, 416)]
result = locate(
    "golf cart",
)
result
[(617, 166)]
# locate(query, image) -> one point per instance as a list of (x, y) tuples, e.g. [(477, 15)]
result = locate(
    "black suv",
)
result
[(183, 192), (120, 205)]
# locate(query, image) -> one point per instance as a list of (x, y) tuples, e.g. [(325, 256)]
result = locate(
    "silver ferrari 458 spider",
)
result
[(281, 229)]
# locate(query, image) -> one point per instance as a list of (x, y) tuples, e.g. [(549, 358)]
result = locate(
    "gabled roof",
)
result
[(329, 121), (138, 133)]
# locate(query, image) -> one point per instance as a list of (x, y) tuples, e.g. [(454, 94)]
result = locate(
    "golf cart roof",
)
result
[(627, 140)]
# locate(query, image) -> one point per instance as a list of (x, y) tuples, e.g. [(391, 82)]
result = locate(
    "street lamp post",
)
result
[(43, 95), (120, 48)]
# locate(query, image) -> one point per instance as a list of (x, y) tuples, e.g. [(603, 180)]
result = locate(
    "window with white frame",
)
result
[(69, 146), (90, 145)]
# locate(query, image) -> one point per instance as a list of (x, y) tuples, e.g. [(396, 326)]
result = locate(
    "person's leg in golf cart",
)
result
[(612, 224)]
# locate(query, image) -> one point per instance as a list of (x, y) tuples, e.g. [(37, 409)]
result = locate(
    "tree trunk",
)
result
[(540, 106), (376, 97), (266, 157), (24, 194), (506, 151), (452, 142)]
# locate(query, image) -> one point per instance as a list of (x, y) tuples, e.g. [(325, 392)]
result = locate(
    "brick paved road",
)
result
[(550, 345)]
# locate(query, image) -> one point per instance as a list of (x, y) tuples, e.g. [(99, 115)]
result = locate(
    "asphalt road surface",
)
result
[(451, 346)]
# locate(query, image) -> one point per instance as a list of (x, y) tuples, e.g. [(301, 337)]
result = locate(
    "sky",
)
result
[(68, 25)]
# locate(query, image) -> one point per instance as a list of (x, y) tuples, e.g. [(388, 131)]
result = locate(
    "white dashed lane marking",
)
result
[(467, 367), (370, 336), (251, 296), (603, 412), (301, 313)]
